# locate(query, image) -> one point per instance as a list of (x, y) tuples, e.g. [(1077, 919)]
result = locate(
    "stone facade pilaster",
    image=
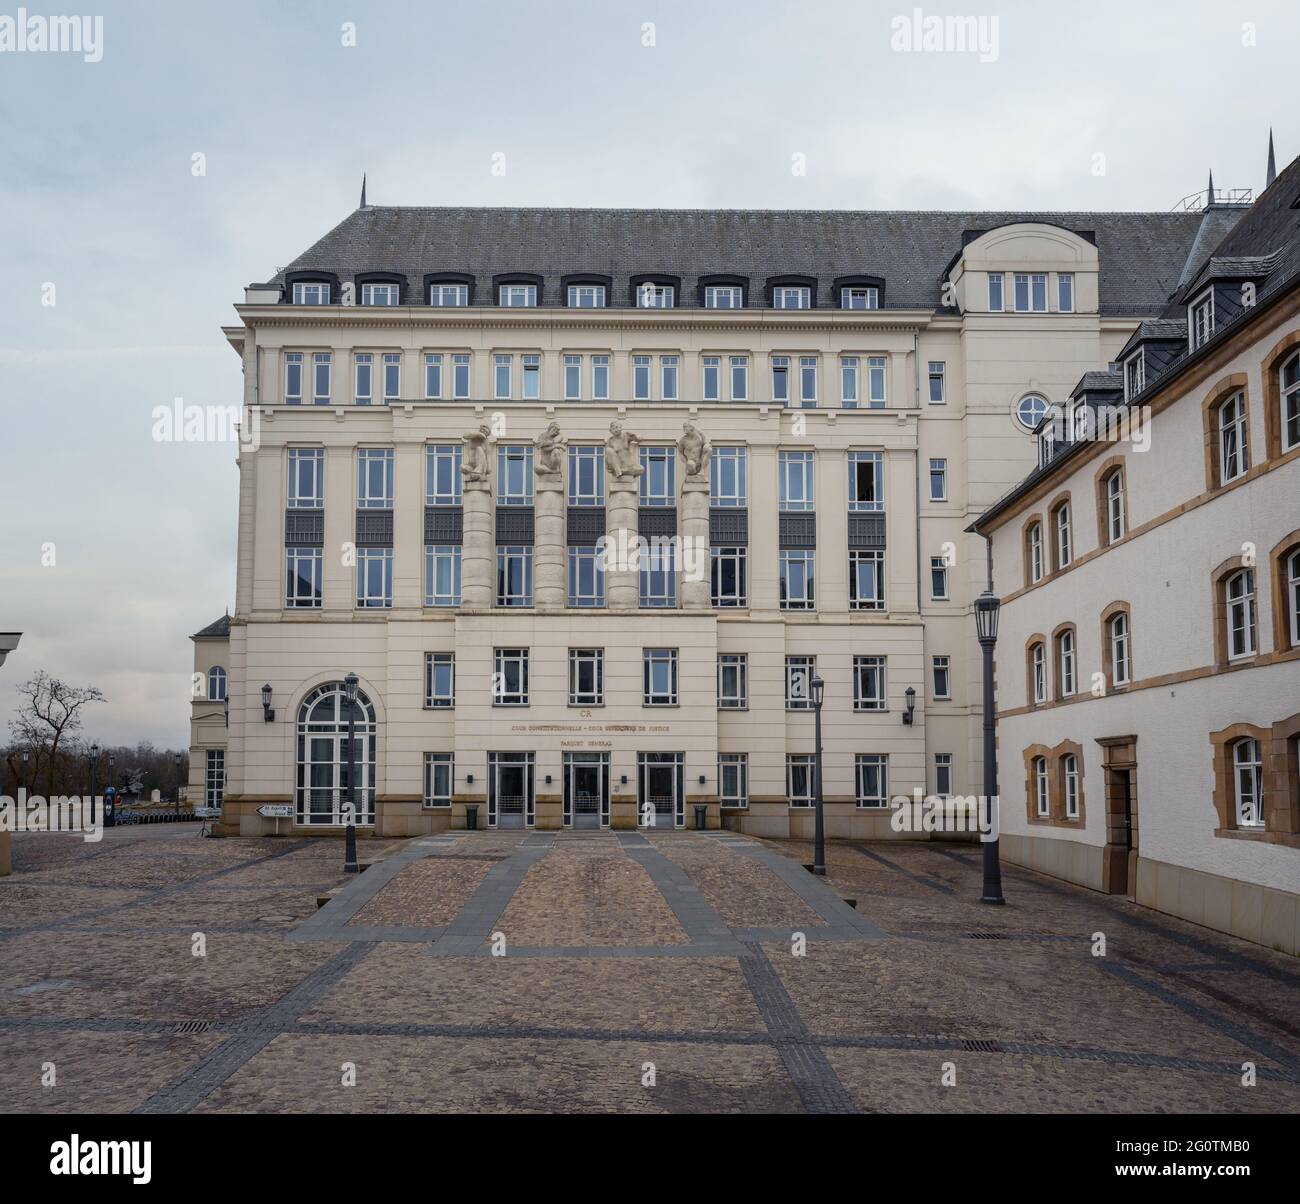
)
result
[(694, 530), (549, 543), (622, 589), (478, 553)]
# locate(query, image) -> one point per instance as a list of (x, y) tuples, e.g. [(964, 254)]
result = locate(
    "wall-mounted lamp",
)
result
[(623, 779), (548, 779), (909, 714), (469, 779), (702, 779), (268, 713)]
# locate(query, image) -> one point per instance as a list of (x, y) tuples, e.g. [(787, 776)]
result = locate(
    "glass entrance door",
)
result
[(511, 801), (586, 790), (660, 797)]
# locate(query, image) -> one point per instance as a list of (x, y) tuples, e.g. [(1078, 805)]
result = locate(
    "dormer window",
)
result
[(724, 296), (449, 295), (1135, 376), (1200, 320), (860, 297), (789, 296), (655, 296), (586, 296), (380, 294), (311, 292), (517, 296), (1031, 293)]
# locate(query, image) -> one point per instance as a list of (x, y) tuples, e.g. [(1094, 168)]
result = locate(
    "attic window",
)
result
[(863, 297), (449, 295), (1200, 325), (791, 297), (518, 296), (1135, 376), (654, 296), (311, 292), (380, 294)]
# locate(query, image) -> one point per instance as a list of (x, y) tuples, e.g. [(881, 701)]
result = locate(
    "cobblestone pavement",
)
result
[(661, 972)]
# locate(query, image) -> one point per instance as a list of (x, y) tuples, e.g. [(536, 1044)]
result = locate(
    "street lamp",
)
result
[(818, 688), (94, 759), (986, 631), (350, 844), (27, 781), (178, 778), (110, 814)]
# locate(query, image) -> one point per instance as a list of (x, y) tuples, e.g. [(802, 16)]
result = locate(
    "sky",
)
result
[(115, 547)]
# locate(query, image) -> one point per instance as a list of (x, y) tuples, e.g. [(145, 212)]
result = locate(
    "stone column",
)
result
[(622, 587), (549, 543), (478, 552), (694, 531)]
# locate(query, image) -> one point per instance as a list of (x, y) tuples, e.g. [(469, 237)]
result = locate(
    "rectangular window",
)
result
[(808, 380), (728, 576), (938, 480), (586, 475), (659, 476), (781, 379), (800, 779), (1134, 375), (658, 578), (733, 681), (514, 474), (866, 580), (943, 774), (600, 378), (740, 378), (586, 577), (1065, 664), (727, 477), (788, 297), (733, 779), (1065, 293), (711, 385), (514, 575), (668, 365), (942, 676), (938, 579), (866, 481), (214, 777), (586, 677), (375, 478), (303, 578), (503, 369), (799, 672), (586, 296), (311, 293), (442, 474), (293, 378), (460, 367), (654, 296), (532, 367), (849, 365), (449, 295), (306, 478), (516, 296), (641, 377), (439, 776), (875, 380), (510, 678), (723, 297), (1038, 293), (442, 575), (380, 294), (860, 298), (936, 374), (392, 377), (872, 770), (1021, 293), (375, 578), (659, 684), (363, 378), (798, 570), (439, 680), (433, 376), (572, 377), (995, 292), (869, 688), (795, 477), (322, 371)]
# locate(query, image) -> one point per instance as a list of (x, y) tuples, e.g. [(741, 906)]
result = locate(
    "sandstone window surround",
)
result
[(1112, 501), (1235, 613), (1282, 398), (1117, 645), (1257, 781), (1225, 421), (1054, 785), (1284, 571)]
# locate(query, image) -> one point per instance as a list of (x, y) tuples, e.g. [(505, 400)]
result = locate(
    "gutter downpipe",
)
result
[(916, 382)]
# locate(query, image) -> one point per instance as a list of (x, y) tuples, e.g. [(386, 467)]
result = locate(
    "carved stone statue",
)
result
[(549, 460), (694, 449), (475, 462), (622, 454)]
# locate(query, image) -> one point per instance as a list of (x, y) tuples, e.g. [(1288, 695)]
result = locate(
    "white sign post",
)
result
[(277, 812)]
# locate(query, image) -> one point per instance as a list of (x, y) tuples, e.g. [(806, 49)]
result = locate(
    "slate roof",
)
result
[(220, 630), (1097, 382), (1144, 256)]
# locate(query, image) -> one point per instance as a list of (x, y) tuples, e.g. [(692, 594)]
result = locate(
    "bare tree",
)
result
[(48, 715)]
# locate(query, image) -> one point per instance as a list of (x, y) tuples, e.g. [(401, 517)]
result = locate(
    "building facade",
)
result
[(209, 715), (1149, 652), (459, 422)]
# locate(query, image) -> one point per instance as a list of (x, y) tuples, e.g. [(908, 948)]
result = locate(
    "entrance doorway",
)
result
[(660, 797), (1119, 766), (586, 790), (511, 799)]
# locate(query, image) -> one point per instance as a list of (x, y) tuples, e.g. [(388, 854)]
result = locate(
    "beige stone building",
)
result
[(864, 385), (1149, 653), (209, 714)]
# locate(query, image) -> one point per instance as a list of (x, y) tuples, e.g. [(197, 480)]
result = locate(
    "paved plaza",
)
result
[(630, 972)]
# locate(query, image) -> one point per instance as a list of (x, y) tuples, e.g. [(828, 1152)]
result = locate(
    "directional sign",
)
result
[(276, 810)]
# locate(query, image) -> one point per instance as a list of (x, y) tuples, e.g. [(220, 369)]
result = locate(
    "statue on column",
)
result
[(549, 460), (694, 449), (475, 461), (622, 454)]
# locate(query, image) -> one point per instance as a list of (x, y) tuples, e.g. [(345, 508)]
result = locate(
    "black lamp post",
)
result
[(94, 757), (350, 843), (110, 812), (27, 781), (818, 688), (178, 778), (986, 630)]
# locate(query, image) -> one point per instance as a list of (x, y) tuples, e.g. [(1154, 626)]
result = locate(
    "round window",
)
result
[(1030, 410)]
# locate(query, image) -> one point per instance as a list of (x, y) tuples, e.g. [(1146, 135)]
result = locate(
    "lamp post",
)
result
[(110, 815), (986, 630), (350, 843), (94, 758), (819, 838), (27, 781), (178, 778)]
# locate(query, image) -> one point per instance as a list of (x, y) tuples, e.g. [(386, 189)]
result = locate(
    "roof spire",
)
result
[(1209, 196), (1271, 174), (363, 190)]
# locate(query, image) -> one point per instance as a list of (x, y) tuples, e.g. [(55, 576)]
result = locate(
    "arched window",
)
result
[(1291, 592), (1070, 773), (1066, 668), (1038, 673), (1042, 805), (1119, 649), (1234, 451), (216, 684), (1239, 592), (322, 787), (1034, 552), (1115, 505), (1290, 382), (1061, 535), (1247, 769)]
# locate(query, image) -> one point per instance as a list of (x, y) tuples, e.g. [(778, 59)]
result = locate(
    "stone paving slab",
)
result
[(427, 893)]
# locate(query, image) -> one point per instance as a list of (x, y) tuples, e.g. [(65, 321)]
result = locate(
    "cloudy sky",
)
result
[(115, 548)]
